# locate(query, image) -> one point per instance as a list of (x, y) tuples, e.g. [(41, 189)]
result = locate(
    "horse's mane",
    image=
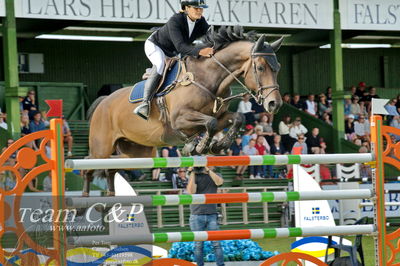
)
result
[(226, 35)]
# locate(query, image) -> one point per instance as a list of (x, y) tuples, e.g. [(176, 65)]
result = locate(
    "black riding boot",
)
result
[(150, 87)]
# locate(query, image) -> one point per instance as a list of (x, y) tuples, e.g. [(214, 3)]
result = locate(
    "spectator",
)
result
[(311, 106), (180, 180), (251, 150), (323, 105), (353, 90), (170, 151), (347, 107), (25, 130), (296, 102), (259, 132), (12, 159), (327, 119), (361, 129), (300, 143), (245, 108), (10, 181), (236, 150), (349, 128), (263, 170), (365, 169), (29, 104), (391, 109), (361, 91), (45, 120), (398, 103), (3, 124), (67, 136), (284, 130), (297, 129), (355, 107), (258, 110), (36, 124), (277, 147), (329, 96), (363, 109), (247, 135), (268, 132), (47, 184), (314, 142), (369, 96), (396, 124), (204, 216), (286, 98)]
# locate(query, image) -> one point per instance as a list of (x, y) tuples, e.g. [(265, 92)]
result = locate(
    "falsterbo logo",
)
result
[(316, 215)]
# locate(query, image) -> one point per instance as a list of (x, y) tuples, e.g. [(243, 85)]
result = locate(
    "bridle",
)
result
[(259, 98)]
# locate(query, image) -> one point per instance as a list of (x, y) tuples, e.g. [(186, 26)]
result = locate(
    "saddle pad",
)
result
[(136, 94)]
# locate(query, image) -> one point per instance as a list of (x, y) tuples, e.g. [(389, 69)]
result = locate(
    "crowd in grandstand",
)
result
[(258, 136)]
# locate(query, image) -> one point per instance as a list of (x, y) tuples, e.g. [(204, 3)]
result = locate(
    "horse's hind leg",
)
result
[(87, 179)]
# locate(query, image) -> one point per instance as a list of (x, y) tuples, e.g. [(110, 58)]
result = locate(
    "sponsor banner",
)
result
[(391, 211), (310, 14), (370, 14), (2, 8)]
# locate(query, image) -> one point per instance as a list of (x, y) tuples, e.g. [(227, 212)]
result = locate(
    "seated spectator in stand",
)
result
[(365, 169), (310, 106), (257, 109), (263, 170), (277, 147), (347, 107), (284, 130), (392, 110), (355, 107), (13, 158), (353, 90), (369, 96), (180, 180), (300, 143), (329, 96), (247, 136), (25, 130), (3, 123), (396, 124), (362, 129), (286, 98), (45, 120), (296, 102), (266, 125), (36, 124), (236, 150), (29, 104), (245, 108), (251, 150), (323, 105), (363, 110), (361, 90), (349, 128), (314, 142), (47, 184), (67, 136), (398, 103), (297, 129), (327, 119)]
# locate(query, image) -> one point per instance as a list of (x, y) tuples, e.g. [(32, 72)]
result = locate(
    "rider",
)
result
[(175, 37)]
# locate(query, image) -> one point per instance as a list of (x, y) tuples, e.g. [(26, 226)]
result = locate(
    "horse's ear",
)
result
[(259, 44), (277, 44)]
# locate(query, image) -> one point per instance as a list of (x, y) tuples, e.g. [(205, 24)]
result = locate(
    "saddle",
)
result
[(167, 83)]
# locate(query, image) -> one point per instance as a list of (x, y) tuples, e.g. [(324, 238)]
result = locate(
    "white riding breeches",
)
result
[(155, 55)]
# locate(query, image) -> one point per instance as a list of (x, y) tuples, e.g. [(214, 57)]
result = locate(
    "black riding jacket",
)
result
[(173, 37)]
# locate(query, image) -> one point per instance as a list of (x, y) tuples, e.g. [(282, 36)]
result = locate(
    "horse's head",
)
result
[(262, 73)]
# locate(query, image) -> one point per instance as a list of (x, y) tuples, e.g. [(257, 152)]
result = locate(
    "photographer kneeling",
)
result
[(204, 217)]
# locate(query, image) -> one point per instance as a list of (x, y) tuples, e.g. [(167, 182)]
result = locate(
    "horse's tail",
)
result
[(93, 107)]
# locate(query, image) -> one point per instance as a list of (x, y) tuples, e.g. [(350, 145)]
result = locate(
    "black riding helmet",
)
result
[(194, 3)]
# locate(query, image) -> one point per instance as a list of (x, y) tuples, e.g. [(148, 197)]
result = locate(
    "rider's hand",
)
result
[(206, 52)]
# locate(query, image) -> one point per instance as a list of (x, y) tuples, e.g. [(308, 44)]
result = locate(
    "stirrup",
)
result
[(138, 112)]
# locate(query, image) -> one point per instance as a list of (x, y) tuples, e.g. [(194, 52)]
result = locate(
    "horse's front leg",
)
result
[(190, 119), (228, 119)]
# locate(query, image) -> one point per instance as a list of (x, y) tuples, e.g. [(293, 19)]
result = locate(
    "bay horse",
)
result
[(190, 108)]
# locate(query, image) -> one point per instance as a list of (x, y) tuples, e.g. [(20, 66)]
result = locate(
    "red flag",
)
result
[(55, 108)]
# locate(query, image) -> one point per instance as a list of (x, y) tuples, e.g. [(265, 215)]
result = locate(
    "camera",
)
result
[(198, 170)]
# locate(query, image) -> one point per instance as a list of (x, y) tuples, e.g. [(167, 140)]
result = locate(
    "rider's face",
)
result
[(194, 13)]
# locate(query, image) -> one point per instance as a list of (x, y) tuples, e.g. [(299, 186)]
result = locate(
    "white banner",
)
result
[(391, 211), (307, 14), (2, 8), (370, 14)]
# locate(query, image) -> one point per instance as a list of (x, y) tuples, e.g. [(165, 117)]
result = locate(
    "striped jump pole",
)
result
[(130, 163), (165, 200), (387, 204), (221, 235)]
